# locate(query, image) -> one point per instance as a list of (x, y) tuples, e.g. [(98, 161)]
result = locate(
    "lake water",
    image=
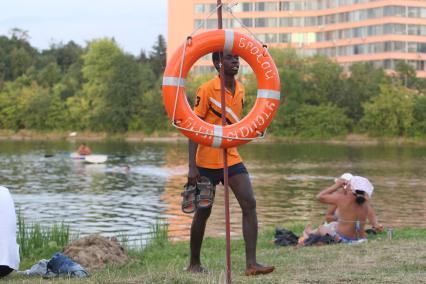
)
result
[(111, 200)]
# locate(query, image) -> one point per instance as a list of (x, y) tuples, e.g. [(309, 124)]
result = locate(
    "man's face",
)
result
[(231, 64)]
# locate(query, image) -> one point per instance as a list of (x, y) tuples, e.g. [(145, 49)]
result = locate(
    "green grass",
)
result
[(37, 241), (400, 260)]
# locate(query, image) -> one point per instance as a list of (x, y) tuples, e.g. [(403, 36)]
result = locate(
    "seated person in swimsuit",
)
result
[(84, 149), (351, 199), (332, 214)]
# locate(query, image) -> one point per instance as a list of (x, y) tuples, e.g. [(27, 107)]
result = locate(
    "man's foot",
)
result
[(257, 269), (196, 269)]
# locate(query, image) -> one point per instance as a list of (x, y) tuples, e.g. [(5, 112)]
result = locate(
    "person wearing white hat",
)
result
[(350, 196), (358, 182), (9, 250)]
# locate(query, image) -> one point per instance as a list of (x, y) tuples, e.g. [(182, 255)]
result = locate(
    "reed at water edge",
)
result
[(37, 240)]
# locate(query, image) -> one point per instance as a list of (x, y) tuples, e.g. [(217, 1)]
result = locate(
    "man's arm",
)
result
[(192, 167), (201, 107)]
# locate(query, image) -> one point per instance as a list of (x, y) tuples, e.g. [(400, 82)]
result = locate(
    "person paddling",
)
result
[(208, 162), (84, 150)]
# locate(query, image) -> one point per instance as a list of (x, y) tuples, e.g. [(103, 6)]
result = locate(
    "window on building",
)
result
[(284, 37), (211, 7), (247, 7), (412, 46), (413, 12), (311, 5), (198, 8), (421, 47), (235, 8), (342, 51), (320, 21), (398, 11), (343, 17), (265, 22), (283, 6), (330, 19), (398, 29), (415, 29), (199, 24), (271, 6), (296, 22), (248, 22), (285, 22), (387, 64), (259, 6), (296, 6), (211, 24), (356, 32), (363, 15), (228, 23), (398, 46), (420, 65), (270, 38), (423, 13), (310, 21), (236, 23), (271, 22), (260, 22), (261, 37)]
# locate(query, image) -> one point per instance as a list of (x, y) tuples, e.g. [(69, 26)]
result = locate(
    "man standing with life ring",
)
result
[(208, 162)]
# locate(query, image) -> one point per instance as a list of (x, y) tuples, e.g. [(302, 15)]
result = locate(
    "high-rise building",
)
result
[(381, 32)]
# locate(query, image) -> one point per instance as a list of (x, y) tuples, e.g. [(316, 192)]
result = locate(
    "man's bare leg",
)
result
[(198, 228), (241, 186)]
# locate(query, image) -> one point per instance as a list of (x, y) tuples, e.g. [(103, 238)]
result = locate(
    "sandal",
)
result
[(188, 200), (206, 192)]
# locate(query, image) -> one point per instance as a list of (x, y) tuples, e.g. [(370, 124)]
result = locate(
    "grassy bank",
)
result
[(400, 260)]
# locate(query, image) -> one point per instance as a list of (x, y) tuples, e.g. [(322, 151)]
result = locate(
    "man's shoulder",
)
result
[(208, 87), (209, 84)]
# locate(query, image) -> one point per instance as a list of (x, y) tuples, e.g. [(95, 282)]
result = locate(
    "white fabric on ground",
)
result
[(9, 249)]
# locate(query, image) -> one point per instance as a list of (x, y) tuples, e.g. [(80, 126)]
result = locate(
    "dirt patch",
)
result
[(94, 252)]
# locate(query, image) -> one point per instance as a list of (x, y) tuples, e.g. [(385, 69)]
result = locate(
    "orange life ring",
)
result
[(268, 94)]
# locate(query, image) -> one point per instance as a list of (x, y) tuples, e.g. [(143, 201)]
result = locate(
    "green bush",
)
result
[(419, 114), (311, 121), (390, 113)]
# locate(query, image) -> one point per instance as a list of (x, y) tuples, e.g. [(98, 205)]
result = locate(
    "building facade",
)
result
[(381, 32)]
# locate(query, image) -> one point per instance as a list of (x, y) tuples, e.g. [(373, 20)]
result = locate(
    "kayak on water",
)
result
[(94, 159)]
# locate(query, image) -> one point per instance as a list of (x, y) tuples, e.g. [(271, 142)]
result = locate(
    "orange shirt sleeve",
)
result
[(202, 102)]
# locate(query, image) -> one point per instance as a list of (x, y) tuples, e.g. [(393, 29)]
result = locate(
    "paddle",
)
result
[(95, 159)]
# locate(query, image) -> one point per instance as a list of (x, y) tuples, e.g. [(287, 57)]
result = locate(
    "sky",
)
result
[(134, 24)]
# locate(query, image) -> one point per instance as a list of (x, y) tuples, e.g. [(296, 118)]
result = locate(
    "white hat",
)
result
[(345, 176), (362, 184)]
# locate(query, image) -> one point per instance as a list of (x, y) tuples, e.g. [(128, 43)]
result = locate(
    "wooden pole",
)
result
[(225, 155)]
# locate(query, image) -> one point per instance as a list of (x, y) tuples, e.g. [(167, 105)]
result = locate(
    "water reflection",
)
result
[(141, 183)]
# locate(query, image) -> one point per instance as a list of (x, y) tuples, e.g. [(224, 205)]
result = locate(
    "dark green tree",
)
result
[(113, 82), (362, 84), (157, 57)]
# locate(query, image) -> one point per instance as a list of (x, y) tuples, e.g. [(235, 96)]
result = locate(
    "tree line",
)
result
[(100, 87)]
